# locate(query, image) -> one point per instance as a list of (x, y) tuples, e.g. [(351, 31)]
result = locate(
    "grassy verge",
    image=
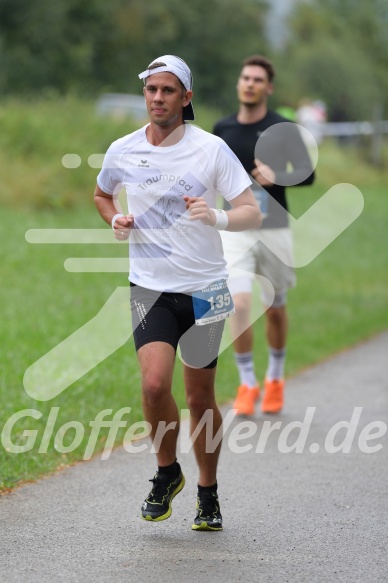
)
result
[(340, 298)]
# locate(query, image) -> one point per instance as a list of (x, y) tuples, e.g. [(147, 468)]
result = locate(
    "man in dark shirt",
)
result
[(273, 153)]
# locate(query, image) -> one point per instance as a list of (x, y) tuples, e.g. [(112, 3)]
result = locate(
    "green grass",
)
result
[(34, 136), (340, 299)]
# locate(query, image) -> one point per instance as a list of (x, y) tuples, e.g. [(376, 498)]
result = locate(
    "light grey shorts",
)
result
[(267, 253)]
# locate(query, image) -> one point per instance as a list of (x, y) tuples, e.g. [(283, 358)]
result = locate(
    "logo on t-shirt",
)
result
[(143, 164)]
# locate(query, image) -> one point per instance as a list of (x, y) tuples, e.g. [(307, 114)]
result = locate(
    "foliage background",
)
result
[(336, 50)]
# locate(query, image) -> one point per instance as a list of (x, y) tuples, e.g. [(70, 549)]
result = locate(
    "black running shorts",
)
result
[(169, 317)]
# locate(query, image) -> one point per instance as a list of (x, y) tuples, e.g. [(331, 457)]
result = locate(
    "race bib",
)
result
[(261, 196), (213, 303)]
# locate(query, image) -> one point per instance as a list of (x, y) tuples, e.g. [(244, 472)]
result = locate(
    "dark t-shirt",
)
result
[(281, 148)]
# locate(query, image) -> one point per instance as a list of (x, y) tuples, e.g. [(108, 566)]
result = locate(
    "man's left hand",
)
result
[(199, 210)]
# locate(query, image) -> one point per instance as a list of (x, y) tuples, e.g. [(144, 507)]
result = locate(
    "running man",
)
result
[(267, 160), (172, 172)]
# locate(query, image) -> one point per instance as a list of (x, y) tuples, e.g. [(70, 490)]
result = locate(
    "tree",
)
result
[(337, 49), (48, 44), (94, 45)]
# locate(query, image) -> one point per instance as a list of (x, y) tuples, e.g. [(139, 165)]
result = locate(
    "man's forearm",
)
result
[(302, 176), (243, 217), (105, 207)]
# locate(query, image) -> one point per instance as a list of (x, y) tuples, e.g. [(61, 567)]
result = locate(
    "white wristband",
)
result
[(115, 218), (221, 219)]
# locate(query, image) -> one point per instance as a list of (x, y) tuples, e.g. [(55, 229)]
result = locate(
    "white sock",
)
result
[(244, 362), (276, 362)]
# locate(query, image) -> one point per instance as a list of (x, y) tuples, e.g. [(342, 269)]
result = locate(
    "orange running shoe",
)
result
[(245, 400), (273, 396)]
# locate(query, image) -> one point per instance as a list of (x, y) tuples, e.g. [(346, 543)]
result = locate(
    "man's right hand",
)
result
[(122, 227), (263, 174)]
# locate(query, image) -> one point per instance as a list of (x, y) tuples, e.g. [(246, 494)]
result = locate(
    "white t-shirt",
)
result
[(168, 251)]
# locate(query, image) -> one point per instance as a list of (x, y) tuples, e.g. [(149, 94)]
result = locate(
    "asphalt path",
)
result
[(301, 503)]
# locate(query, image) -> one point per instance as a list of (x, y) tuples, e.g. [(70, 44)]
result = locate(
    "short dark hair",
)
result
[(261, 61)]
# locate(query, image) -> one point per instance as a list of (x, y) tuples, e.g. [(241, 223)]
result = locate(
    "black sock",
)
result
[(207, 489), (172, 471)]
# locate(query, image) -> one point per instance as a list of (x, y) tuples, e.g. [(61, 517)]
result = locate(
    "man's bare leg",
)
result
[(157, 362), (200, 397)]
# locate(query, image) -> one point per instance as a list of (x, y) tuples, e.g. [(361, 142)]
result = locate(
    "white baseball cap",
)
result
[(177, 66)]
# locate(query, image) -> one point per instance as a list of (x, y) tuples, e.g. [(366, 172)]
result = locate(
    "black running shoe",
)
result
[(208, 515), (157, 505)]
